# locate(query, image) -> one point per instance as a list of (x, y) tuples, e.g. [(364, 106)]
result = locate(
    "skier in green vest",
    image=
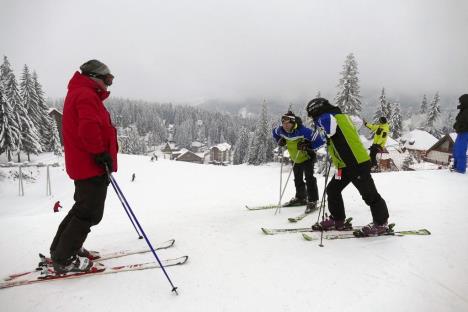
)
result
[(300, 142), (352, 162), (381, 131)]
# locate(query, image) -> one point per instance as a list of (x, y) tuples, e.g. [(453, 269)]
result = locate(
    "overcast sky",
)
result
[(195, 50)]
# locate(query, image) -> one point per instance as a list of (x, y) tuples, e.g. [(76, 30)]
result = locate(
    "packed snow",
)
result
[(233, 266)]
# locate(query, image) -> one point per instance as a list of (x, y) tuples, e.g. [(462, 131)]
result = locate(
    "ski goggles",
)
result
[(287, 118), (107, 79)]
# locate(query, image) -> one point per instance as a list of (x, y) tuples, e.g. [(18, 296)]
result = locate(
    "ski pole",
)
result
[(122, 202), (280, 152), (287, 180), (118, 190), (322, 204)]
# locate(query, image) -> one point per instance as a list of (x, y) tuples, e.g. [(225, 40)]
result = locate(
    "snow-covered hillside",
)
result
[(232, 265)]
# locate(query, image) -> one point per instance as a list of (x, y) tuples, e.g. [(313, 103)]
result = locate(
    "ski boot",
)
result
[(331, 224), (295, 202), (311, 207), (374, 229), (90, 254), (74, 264)]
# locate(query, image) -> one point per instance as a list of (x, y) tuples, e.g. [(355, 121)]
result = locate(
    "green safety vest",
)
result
[(352, 140)]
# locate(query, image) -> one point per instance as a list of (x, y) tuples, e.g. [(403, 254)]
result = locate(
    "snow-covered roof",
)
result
[(51, 109), (391, 142), (197, 144), (418, 140), (223, 146), (186, 151)]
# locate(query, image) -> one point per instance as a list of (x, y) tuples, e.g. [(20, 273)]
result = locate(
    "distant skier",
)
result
[(300, 142), (90, 144), (133, 177), (57, 206), (461, 142), (381, 131), (350, 157)]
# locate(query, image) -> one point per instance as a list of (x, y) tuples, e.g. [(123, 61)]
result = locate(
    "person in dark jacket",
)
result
[(461, 142), (353, 165), (90, 144), (300, 142)]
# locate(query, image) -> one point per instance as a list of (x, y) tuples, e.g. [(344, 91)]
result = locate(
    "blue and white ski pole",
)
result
[(124, 202)]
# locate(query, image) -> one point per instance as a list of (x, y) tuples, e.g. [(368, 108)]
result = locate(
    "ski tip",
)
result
[(308, 237), (266, 231), (293, 220), (183, 259), (424, 232)]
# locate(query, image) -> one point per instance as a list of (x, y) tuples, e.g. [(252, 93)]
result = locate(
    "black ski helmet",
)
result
[(318, 106), (382, 120)]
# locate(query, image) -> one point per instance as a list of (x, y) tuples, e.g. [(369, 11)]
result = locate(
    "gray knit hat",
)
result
[(94, 68)]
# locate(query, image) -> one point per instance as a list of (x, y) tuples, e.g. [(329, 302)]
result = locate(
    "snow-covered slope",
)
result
[(233, 266)]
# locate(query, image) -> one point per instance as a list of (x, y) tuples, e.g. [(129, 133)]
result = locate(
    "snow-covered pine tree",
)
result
[(261, 146), (9, 128), (251, 157), (29, 96), (54, 140), (183, 136), (447, 127), (423, 108), (433, 114), (407, 162), (43, 126), (348, 97), (241, 147), (131, 142), (29, 141), (384, 109), (396, 124)]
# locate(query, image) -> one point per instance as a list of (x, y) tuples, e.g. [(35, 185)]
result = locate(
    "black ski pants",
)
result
[(309, 188), (90, 195), (364, 183), (374, 150)]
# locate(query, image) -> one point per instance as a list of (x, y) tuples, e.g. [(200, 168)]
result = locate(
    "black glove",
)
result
[(281, 141), (304, 146), (104, 160)]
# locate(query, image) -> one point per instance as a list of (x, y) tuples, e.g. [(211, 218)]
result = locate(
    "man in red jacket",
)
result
[(90, 144)]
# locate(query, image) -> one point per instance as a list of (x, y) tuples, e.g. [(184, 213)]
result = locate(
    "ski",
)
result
[(357, 233), (298, 218), (112, 255), (48, 274), (268, 231), (272, 206)]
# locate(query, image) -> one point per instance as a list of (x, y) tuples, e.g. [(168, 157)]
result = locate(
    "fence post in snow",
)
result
[(48, 187), (20, 182)]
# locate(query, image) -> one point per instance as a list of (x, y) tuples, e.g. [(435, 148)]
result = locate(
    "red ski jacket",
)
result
[(87, 128)]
